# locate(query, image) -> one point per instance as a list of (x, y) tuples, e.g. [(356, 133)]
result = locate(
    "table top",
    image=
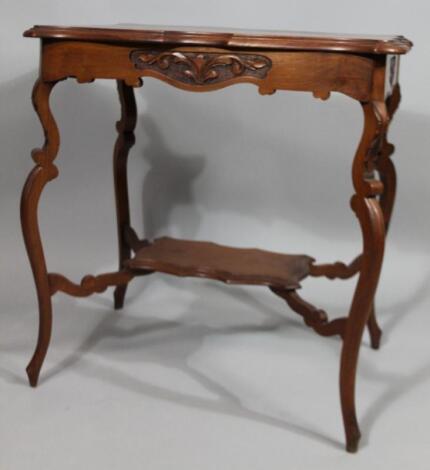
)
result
[(220, 37)]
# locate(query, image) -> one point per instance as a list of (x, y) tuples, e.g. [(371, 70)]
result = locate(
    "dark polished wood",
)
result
[(365, 68), (221, 37)]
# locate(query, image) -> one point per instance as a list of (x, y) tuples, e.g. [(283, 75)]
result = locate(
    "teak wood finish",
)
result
[(363, 68)]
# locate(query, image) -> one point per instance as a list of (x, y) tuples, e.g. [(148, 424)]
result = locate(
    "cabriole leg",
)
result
[(125, 127), (42, 173), (367, 208)]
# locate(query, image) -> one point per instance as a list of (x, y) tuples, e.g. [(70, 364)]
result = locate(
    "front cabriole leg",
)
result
[(368, 210), (42, 173)]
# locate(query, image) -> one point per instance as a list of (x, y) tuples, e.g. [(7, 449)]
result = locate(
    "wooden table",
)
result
[(366, 68)]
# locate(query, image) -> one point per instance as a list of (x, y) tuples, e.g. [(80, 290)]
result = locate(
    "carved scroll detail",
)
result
[(315, 318), (202, 68), (385, 165)]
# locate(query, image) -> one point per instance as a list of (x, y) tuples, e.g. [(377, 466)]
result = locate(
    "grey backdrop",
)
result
[(193, 374)]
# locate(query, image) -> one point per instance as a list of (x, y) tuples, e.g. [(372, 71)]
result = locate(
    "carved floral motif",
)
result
[(202, 68)]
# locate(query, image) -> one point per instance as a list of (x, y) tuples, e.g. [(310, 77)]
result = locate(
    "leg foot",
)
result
[(33, 371), (119, 296), (45, 328), (375, 332), (352, 440)]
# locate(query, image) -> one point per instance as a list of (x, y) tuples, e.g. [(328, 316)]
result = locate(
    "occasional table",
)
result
[(365, 68)]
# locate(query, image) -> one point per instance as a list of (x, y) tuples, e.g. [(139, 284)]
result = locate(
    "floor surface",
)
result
[(193, 374)]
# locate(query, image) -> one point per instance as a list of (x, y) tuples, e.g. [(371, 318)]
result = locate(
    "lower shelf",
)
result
[(226, 264)]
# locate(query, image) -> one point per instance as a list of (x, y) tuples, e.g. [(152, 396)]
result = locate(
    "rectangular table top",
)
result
[(220, 37)]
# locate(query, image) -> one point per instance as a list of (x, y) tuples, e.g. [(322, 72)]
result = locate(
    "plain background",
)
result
[(193, 374)]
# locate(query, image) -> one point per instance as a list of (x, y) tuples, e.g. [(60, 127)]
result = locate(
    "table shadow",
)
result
[(167, 185), (152, 339), (397, 385), (171, 344)]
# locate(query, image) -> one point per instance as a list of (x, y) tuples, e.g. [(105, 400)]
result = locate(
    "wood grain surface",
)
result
[(220, 37)]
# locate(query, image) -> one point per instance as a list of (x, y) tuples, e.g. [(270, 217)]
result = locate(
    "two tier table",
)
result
[(365, 68)]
